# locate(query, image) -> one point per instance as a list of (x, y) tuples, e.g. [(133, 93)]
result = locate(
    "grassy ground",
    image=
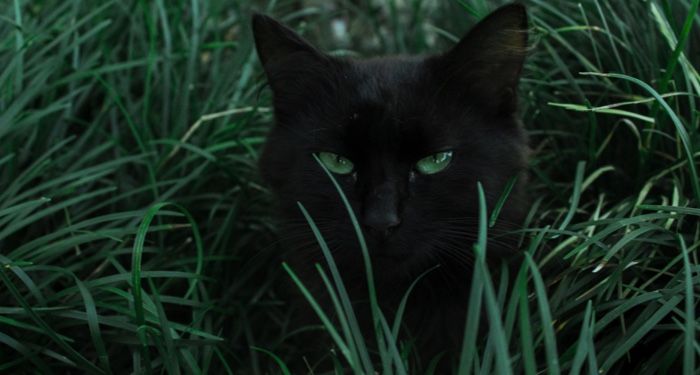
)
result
[(135, 236)]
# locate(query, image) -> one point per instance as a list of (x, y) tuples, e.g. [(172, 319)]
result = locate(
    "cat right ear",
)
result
[(489, 59), (280, 48)]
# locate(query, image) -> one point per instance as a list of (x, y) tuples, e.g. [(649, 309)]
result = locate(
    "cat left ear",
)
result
[(489, 59), (279, 46)]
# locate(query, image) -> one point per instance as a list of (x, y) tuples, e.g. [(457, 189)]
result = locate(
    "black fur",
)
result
[(385, 114)]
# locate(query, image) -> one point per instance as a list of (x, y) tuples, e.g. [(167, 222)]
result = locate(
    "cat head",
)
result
[(407, 138)]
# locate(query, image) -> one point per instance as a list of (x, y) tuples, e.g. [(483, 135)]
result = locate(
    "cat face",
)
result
[(407, 139)]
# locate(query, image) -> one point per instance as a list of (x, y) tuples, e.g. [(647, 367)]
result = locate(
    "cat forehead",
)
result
[(387, 101), (386, 78), (383, 99)]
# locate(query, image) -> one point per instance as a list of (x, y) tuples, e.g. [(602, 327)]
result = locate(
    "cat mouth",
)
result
[(388, 250)]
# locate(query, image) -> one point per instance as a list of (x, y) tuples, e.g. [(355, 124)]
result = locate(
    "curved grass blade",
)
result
[(645, 322), (690, 324), (680, 129), (583, 347), (342, 346), (76, 357), (280, 363), (502, 200), (94, 325), (342, 316), (137, 255), (546, 317), (358, 350), (576, 195), (374, 303), (26, 352)]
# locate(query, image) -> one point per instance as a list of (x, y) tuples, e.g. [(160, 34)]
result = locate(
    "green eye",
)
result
[(434, 163), (336, 163)]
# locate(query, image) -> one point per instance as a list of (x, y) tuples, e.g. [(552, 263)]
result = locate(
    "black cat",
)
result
[(407, 138)]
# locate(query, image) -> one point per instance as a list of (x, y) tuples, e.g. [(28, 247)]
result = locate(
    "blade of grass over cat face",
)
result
[(346, 314), (520, 296), (469, 352), (374, 304), (496, 331), (342, 316), (402, 305), (344, 309), (394, 358), (327, 323)]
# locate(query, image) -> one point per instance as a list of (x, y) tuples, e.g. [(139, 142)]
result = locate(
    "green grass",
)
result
[(135, 235)]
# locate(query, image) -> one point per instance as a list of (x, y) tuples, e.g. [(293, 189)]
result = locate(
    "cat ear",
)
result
[(489, 59), (280, 48)]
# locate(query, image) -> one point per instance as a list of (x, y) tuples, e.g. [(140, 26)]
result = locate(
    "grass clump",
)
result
[(135, 235)]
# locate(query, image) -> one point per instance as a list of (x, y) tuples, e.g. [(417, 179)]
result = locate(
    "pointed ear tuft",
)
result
[(488, 61), (277, 44)]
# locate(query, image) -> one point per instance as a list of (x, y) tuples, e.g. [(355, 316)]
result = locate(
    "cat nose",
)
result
[(381, 211), (382, 224)]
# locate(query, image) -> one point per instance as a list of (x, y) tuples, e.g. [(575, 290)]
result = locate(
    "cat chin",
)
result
[(395, 255), (405, 265), (397, 265)]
